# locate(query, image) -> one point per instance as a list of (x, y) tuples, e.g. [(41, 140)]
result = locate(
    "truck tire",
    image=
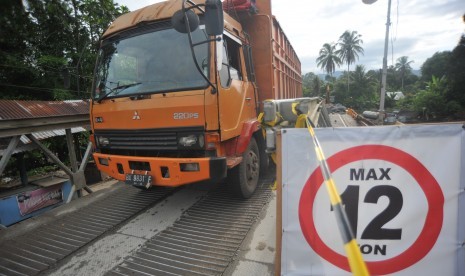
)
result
[(243, 178)]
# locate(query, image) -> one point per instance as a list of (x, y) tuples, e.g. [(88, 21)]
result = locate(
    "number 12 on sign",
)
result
[(374, 230)]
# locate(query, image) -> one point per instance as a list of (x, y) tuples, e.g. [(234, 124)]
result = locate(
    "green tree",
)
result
[(403, 67), (340, 94), (15, 54), (456, 73), (435, 66), (362, 96), (317, 84), (311, 84), (307, 83), (328, 59), (429, 104), (48, 48), (349, 49), (363, 92), (437, 85), (411, 81)]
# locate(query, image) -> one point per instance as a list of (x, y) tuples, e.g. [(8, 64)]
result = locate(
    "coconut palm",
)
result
[(362, 78), (403, 66), (363, 81), (328, 60), (349, 49)]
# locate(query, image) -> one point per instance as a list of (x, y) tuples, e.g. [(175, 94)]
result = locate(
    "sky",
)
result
[(419, 28)]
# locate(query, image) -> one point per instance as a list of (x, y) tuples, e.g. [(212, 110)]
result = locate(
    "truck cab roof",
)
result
[(162, 11)]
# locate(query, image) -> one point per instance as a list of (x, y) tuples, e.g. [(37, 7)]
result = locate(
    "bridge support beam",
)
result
[(9, 151), (77, 177)]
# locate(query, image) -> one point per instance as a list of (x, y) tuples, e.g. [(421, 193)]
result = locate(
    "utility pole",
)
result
[(384, 74), (383, 78)]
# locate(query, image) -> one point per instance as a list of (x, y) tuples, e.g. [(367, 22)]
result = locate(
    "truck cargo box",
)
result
[(277, 67)]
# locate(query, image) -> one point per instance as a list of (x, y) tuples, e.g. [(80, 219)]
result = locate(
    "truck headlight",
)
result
[(103, 141), (188, 141), (191, 140)]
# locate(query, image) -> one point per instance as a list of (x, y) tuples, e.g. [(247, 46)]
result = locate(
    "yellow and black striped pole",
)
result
[(356, 263)]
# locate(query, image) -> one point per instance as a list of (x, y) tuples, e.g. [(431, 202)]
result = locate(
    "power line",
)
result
[(395, 35), (42, 65), (29, 68), (34, 88)]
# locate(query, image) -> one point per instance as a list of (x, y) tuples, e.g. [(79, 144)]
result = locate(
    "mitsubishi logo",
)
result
[(136, 116)]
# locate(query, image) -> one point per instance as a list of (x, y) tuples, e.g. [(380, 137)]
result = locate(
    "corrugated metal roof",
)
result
[(10, 109), (52, 133), (25, 143)]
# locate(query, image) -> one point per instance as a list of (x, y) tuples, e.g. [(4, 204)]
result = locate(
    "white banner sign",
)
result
[(401, 188)]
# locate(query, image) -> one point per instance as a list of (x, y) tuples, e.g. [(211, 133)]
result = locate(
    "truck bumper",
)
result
[(171, 172)]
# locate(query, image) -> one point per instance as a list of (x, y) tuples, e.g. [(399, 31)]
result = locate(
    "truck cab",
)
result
[(173, 107)]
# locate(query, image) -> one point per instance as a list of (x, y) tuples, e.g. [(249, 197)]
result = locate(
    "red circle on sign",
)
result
[(427, 182)]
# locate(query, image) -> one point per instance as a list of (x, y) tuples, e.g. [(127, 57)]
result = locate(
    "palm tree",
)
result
[(328, 60), (403, 66), (349, 48), (364, 81), (362, 78)]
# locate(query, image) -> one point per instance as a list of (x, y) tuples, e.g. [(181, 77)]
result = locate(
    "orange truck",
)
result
[(178, 88)]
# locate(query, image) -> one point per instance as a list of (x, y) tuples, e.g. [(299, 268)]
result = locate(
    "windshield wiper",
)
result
[(118, 87)]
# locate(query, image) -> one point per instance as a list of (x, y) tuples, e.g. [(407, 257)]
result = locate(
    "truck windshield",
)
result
[(150, 62)]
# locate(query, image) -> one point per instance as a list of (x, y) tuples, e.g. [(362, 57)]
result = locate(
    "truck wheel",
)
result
[(243, 178)]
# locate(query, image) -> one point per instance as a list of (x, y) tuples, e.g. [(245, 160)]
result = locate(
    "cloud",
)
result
[(435, 8), (419, 28)]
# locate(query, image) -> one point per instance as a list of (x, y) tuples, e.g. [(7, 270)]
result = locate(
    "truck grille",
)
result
[(146, 142)]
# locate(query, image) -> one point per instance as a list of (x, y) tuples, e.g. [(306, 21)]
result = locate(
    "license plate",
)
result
[(139, 180)]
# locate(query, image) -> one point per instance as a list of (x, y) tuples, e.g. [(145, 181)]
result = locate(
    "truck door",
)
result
[(236, 98)]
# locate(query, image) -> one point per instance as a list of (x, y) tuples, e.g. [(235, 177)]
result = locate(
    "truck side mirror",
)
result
[(214, 23), (179, 22)]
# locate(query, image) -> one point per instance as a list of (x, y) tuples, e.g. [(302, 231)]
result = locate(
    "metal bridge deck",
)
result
[(204, 240)]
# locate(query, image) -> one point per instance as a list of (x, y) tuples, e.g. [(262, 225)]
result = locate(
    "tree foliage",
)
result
[(332, 55), (438, 94), (362, 95), (328, 59), (403, 67), (312, 85), (435, 66), (48, 47), (456, 74), (349, 49)]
